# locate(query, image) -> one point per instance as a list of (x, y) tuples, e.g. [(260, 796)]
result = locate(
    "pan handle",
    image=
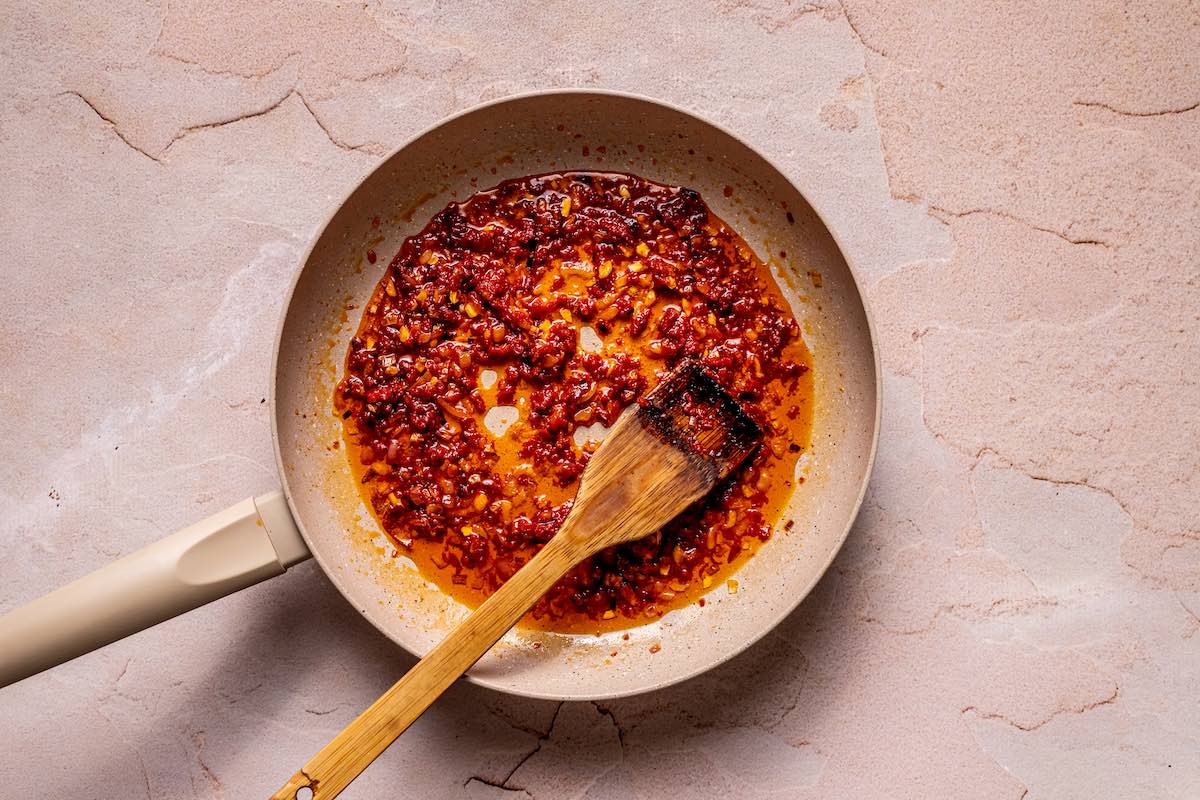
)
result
[(235, 548)]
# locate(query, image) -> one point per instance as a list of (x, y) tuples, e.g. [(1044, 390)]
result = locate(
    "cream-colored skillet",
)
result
[(319, 511)]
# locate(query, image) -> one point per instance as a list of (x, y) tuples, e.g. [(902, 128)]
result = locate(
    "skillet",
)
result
[(319, 511)]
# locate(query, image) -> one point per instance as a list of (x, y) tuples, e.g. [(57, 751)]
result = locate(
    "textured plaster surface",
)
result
[(1016, 612)]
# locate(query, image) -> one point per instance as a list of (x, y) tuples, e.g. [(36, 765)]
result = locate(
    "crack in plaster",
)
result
[(1000, 607), (1195, 620), (888, 163), (1036, 476), (223, 73), (234, 699), (184, 132), (1123, 113), (370, 76), (997, 763), (801, 12), (517, 726), (1006, 462), (797, 683), (145, 776), (137, 753), (774, 724), (371, 148), (1012, 217), (1082, 482), (157, 51), (776, 24), (858, 34), (286, 58), (1083, 709), (542, 739), (607, 712), (494, 785), (214, 782), (111, 124), (367, 147)]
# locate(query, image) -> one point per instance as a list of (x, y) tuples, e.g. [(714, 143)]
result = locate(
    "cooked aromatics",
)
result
[(556, 301)]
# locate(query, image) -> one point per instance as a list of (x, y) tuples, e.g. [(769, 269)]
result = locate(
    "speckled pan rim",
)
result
[(866, 469)]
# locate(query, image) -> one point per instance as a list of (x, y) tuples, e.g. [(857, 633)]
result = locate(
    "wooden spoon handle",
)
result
[(340, 761)]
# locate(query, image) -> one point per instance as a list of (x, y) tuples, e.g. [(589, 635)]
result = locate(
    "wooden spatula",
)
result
[(663, 453)]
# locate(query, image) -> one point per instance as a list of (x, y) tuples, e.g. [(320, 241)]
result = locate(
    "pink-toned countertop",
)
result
[(1016, 612)]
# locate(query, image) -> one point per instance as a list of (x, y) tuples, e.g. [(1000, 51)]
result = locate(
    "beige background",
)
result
[(1014, 616)]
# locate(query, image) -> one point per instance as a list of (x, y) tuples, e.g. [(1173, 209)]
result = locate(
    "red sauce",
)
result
[(575, 291)]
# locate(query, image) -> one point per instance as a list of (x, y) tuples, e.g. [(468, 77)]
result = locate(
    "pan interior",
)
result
[(576, 131)]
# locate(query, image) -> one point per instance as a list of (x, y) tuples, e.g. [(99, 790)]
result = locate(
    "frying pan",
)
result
[(319, 510)]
